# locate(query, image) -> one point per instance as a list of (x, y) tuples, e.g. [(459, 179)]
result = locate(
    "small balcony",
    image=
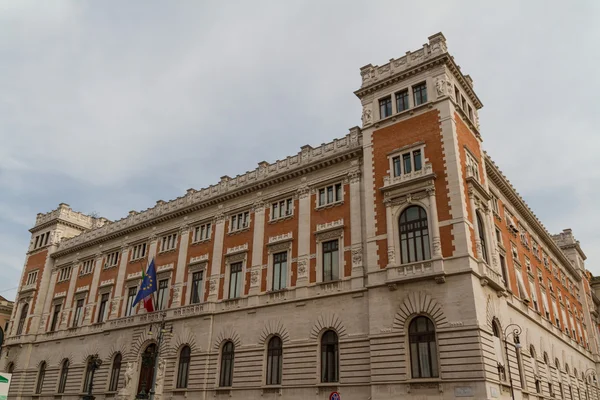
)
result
[(490, 277), (398, 181), (428, 269)]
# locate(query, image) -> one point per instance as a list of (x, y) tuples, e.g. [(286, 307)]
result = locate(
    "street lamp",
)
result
[(94, 363), (585, 376), (154, 358), (516, 331)]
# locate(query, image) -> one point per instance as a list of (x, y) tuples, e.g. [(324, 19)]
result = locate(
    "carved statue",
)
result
[(129, 375), (160, 377), (440, 85), (366, 117)]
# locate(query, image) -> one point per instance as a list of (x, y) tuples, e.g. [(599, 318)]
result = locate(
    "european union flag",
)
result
[(148, 285)]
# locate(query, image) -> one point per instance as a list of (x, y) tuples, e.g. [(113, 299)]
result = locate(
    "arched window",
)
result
[(115, 372), (546, 358), (88, 374), (40, 379), (482, 237), (329, 357), (498, 350), (414, 235), (184, 367), (567, 368), (11, 368), (423, 348), (274, 361), (227, 355), (534, 359), (557, 364), (22, 318), (64, 373)]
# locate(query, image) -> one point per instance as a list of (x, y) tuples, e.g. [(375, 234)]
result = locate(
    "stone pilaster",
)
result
[(215, 267), (257, 248), (356, 227), (70, 293), (48, 302), (184, 234), (118, 294), (435, 224), (475, 225), (89, 316), (304, 235), (40, 314)]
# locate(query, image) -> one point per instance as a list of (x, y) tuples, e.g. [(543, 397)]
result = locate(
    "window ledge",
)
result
[(86, 274), (230, 233), (110, 266), (330, 205), (424, 380), (167, 251), (200, 241), (279, 219), (179, 390), (137, 259), (326, 384)]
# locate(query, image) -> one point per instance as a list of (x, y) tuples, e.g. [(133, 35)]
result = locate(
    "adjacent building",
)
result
[(394, 262), (5, 313)]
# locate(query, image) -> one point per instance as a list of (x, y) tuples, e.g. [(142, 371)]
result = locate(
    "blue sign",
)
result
[(335, 396)]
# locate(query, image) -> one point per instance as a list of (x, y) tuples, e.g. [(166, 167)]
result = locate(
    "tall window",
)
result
[(184, 367), (114, 373), (504, 272), (331, 260), (402, 100), (274, 361), (169, 242), (279, 270), (40, 380), (11, 368), (385, 107), (420, 93), (112, 259), (197, 287), (55, 317), (423, 348), (235, 280), (202, 232), (64, 373), (131, 293), (22, 318), (498, 350), (88, 374), (407, 162), (414, 235), (163, 294), (239, 221), (482, 237), (329, 357), (330, 194), (102, 308), (78, 313), (227, 355), (282, 209), (139, 251)]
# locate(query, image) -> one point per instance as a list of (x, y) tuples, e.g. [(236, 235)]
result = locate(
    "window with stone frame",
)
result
[(168, 242), (495, 205), (472, 166), (385, 107), (112, 259), (330, 194), (414, 235), (235, 279), (420, 93), (131, 294), (197, 292), (402, 100), (64, 274), (202, 233), (78, 315), (331, 260), (31, 278), (282, 209), (86, 267), (407, 162), (239, 221), (55, 317), (139, 251)]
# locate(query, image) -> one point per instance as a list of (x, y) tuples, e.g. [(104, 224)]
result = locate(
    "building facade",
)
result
[(395, 262), (5, 314)]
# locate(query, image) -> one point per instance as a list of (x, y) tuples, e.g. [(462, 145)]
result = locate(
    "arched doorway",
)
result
[(147, 369)]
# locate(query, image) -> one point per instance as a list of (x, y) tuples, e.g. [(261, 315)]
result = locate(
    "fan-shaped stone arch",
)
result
[(227, 333), (328, 320), (118, 346), (183, 338), (90, 350), (274, 328), (142, 341), (419, 303)]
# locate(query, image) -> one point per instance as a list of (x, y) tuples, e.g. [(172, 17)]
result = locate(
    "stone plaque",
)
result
[(463, 391)]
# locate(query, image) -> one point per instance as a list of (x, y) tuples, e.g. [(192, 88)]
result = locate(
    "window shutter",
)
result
[(521, 286)]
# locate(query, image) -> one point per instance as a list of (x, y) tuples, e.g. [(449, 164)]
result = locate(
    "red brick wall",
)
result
[(280, 227), (196, 250), (238, 239)]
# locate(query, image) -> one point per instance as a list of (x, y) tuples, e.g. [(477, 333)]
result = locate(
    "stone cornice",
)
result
[(496, 176), (266, 175)]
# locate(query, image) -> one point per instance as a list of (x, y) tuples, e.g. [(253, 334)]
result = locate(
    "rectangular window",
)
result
[(64, 274), (139, 251), (197, 287), (498, 236), (457, 95), (239, 221), (330, 194), (55, 317), (235, 280), (417, 159), (87, 267), (102, 308), (41, 240), (31, 277), (495, 206), (504, 271), (472, 167), (168, 242), (534, 298), (407, 162), (282, 209), (112, 259), (202, 232), (279, 270), (470, 112), (330, 260), (464, 103), (78, 313), (420, 94), (130, 298), (396, 164), (162, 295), (385, 107), (402, 100)]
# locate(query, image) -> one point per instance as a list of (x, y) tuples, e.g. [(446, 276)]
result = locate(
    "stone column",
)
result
[(48, 301), (153, 248), (258, 245), (304, 235), (217, 258), (356, 227), (435, 223), (70, 293), (118, 294), (38, 317), (389, 217), (184, 241), (89, 317)]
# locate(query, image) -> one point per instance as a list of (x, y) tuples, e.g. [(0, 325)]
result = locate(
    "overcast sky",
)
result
[(111, 105)]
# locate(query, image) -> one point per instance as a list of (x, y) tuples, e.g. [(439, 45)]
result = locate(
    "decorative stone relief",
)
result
[(367, 114), (357, 255), (176, 292), (236, 257), (302, 268), (354, 176), (329, 235), (437, 246), (391, 256), (114, 304), (212, 286), (303, 192), (160, 379), (279, 247), (440, 85), (254, 278), (128, 390)]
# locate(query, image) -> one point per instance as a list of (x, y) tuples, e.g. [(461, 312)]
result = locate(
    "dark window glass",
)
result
[(227, 356), (417, 160), (197, 287), (482, 237), (420, 94), (385, 107), (115, 372), (457, 95), (279, 270), (338, 192), (330, 194), (88, 375), (414, 235), (102, 311), (55, 317), (11, 368), (163, 294), (274, 361), (235, 280), (184, 367), (503, 268), (402, 100), (64, 373), (130, 298), (423, 348), (396, 163), (22, 318), (330, 260), (329, 357), (406, 164), (78, 313), (322, 197), (41, 375)]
